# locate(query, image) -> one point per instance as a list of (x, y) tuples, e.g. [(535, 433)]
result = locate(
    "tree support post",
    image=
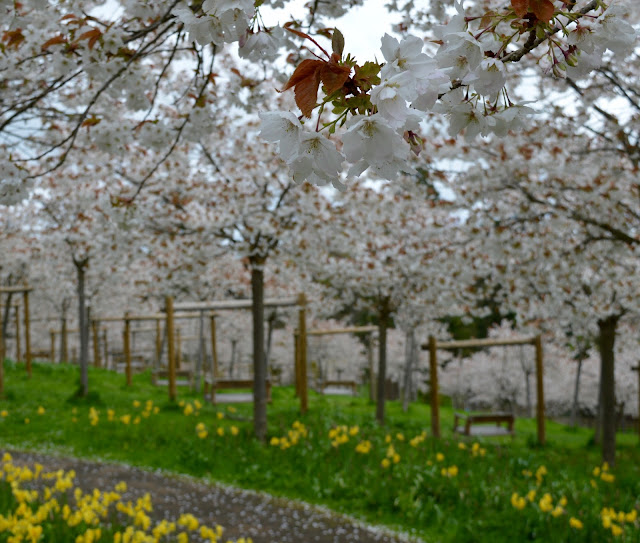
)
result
[(52, 351), (214, 347), (27, 333), (537, 342), (18, 338), (296, 361), (96, 344), (637, 370), (127, 347), (158, 343), (434, 392), (171, 349), (302, 355)]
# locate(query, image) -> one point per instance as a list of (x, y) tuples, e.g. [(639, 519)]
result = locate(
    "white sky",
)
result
[(362, 26)]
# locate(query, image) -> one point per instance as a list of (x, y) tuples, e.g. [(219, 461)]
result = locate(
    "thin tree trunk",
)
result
[(410, 356), (5, 319), (259, 366), (382, 359), (576, 394), (84, 329), (607, 328)]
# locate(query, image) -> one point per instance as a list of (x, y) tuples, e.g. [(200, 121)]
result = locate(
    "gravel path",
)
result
[(242, 513)]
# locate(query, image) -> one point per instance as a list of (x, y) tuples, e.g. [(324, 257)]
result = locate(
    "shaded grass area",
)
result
[(443, 490)]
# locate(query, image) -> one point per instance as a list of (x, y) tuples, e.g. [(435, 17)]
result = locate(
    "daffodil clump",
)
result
[(40, 515), (294, 436), (576, 516)]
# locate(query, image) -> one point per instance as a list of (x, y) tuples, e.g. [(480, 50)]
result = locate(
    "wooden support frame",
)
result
[(433, 346), (637, 370), (221, 305), (302, 345), (24, 290)]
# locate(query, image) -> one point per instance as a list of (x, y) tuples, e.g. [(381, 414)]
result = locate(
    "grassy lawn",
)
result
[(447, 490)]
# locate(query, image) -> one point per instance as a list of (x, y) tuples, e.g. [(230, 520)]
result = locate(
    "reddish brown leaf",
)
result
[(307, 68), (13, 38), (521, 7), (68, 16), (333, 75), (91, 35), (542, 9), (57, 40)]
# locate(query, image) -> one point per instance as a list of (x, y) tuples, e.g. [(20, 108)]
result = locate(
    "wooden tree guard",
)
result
[(349, 330), (24, 290), (433, 346)]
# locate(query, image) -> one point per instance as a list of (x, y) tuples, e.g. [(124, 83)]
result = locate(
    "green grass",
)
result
[(471, 501)]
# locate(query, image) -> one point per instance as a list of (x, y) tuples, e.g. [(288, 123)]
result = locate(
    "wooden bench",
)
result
[(484, 424), (340, 387), (211, 386), (39, 355), (183, 378)]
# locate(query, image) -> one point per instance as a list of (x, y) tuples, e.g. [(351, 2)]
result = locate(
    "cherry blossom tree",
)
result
[(72, 65), (383, 251)]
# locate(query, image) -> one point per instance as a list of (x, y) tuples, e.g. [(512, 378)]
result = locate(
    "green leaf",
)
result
[(337, 42)]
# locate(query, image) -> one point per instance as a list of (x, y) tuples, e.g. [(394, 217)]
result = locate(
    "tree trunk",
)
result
[(84, 329), (410, 353), (382, 359), (259, 366), (6, 313), (607, 328), (576, 394)]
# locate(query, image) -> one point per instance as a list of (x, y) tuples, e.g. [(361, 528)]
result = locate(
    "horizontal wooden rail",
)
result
[(349, 330), (217, 305), (489, 342), (9, 290)]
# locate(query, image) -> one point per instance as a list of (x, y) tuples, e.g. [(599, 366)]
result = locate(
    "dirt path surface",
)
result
[(241, 513)]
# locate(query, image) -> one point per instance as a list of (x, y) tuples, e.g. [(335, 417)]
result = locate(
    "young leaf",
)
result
[(542, 9), (521, 7), (337, 42), (305, 80)]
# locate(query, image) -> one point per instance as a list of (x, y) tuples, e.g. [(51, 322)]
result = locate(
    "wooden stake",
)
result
[(52, 352), (178, 349), (372, 370), (127, 347), (296, 361), (1, 359), (96, 344), (540, 390), (637, 370), (214, 348), (302, 331), (27, 331), (171, 349), (435, 403), (18, 350), (158, 343)]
